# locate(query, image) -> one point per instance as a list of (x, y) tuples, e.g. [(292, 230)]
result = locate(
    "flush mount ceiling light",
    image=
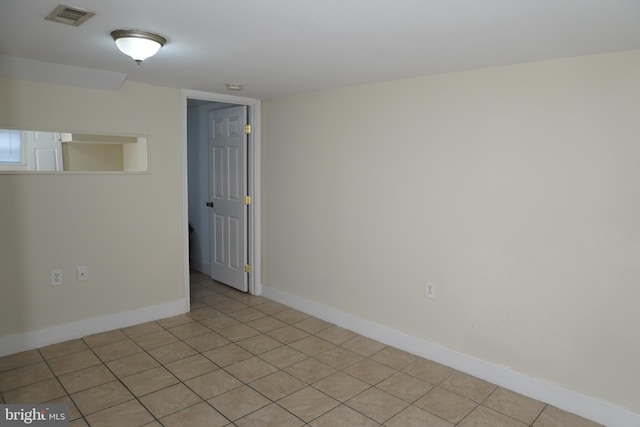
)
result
[(234, 86), (139, 45)]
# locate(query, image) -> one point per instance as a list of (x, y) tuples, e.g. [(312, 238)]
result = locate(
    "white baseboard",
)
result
[(597, 410), (35, 339)]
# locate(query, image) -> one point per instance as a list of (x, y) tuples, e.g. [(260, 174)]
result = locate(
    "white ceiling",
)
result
[(283, 47)]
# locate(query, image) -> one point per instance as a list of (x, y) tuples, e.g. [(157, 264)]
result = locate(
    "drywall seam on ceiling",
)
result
[(68, 75)]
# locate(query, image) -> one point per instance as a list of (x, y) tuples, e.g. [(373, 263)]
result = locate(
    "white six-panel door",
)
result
[(45, 151), (228, 188)]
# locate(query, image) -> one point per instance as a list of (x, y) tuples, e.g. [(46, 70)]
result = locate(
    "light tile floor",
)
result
[(243, 360)]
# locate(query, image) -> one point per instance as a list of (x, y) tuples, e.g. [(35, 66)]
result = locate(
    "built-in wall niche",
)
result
[(34, 151)]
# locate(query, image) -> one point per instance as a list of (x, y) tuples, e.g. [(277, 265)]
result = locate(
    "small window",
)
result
[(11, 152)]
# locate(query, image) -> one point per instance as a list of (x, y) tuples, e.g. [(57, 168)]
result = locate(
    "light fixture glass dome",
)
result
[(139, 45)]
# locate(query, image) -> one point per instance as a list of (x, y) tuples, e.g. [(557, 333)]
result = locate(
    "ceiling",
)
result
[(283, 47)]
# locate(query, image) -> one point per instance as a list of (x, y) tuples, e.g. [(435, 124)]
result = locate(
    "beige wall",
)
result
[(93, 157), (127, 229), (514, 189)]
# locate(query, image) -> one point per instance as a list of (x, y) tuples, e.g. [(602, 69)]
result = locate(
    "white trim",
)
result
[(594, 409), (186, 283), (254, 153), (15, 343)]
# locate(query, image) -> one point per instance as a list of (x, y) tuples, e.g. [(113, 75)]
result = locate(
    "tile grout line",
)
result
[(282, 370), (227, 299)]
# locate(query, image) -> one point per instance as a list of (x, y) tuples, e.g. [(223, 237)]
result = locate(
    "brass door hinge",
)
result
[(247, 129), (247, 268), (247, 200)]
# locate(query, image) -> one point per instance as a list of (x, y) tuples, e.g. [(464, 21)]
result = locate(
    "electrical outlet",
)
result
[(429, 290), (83, 273), (56, 277)]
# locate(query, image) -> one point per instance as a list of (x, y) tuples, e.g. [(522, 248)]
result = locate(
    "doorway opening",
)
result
[(199, 172)]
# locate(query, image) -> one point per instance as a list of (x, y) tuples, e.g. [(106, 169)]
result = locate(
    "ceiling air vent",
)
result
[(69, 15)]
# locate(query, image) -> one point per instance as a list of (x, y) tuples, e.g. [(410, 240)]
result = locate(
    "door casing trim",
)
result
[(253, 182)]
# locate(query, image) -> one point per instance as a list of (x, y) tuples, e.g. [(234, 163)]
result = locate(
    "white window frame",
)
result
[(22, 164)]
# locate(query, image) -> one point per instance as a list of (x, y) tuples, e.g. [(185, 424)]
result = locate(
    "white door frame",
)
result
[(253, 182)]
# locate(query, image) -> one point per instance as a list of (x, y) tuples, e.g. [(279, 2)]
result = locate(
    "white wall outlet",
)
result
[(83, 273), (429, 290), (56, 277)]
